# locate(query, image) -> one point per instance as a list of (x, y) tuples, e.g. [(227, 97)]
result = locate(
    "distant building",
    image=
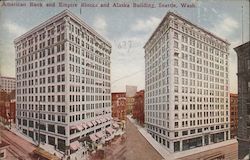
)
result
[(119, 105), (7, 84), (130, 93), (243, 54), (138, 109), (233, 114), (8, 111)]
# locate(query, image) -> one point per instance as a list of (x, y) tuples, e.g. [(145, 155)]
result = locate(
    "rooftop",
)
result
[(65, 12), (242, 47), (8, 77), (187, 21)]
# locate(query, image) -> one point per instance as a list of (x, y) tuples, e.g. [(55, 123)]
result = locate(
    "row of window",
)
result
[(190, 123), (41, 63), (85, 34), (40, 37), (42, 45), (47, 117)]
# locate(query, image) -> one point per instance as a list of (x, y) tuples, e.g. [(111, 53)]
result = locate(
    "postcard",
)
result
[(124, 79)]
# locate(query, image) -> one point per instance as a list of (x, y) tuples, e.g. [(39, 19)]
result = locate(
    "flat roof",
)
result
[(187, 21), (246, 44), (7, 77), (54, 18)]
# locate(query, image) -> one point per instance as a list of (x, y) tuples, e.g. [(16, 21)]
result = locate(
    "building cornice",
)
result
[(12, 78), (186, 21), (243, 47), (54, 19)]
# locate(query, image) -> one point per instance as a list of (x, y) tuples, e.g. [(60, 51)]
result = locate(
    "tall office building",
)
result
[(243, 54), (7, 84), (187, 86), (63, 65)]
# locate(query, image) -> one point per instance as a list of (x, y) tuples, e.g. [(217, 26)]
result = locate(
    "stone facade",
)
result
[(243, 53), (186, 85), (63, 82)]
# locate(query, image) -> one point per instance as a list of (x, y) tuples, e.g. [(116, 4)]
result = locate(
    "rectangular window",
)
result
[(176, 35), (61, 130), (176, 44), (248, 109), (248, 64), (175, 134), (51, 128), (248, 86), (184, 133)]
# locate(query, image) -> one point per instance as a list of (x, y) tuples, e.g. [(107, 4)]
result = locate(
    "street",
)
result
[(132, 147), (137, 146), (19, 149)]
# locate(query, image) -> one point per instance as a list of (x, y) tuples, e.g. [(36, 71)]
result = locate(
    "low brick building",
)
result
[(119, 105), (8, 111), (138, 109), (233, 114), (7, 108)]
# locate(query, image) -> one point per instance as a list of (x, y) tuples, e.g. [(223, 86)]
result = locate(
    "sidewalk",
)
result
[(162, 151), (172, 156)]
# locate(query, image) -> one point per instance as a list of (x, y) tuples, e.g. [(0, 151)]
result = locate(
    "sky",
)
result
[(128, 29)]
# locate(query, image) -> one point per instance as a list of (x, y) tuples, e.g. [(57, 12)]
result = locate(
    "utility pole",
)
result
[(39, 138), (242, 27), (9, 115)]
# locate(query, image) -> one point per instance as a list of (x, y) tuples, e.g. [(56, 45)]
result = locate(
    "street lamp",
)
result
[(9, 119)]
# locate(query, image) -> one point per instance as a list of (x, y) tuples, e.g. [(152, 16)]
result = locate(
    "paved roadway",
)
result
[(137, 146), (134, 147), (19, 148)]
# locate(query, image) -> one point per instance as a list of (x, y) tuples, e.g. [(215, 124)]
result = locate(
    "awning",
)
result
[(75, 145), (115, 125), (110, 130), (107, 118), (94, 122), (102, 120), (72, 127), (89, 124), (93, 137), (99, 134), (84, 125), (98, 121), (79, 127), (41, 152)]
